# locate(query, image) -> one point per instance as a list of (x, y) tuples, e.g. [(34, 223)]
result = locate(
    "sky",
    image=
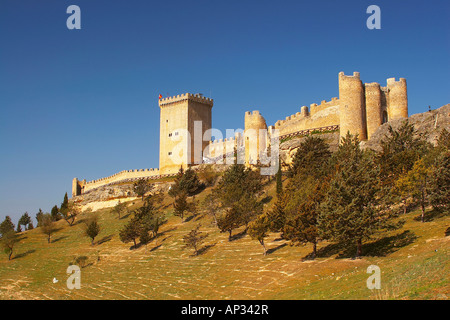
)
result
[(84, 103)]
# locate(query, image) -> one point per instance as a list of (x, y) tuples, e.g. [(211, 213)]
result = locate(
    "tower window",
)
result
[(170, 134), (170, 153), (176, 133)]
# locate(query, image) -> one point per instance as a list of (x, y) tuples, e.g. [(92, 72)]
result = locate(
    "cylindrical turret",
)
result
[(352, 110), (254, 144), (398, 99), (373, 107)]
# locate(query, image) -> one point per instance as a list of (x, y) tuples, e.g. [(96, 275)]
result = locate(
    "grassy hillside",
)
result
[(414, 264)]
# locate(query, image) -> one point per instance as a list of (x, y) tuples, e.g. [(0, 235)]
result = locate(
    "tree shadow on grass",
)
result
[(388, 245), (378, 248), (125, 216), (266, 199), (188, 218), (23, 254), (431, 215), (165, 231), (239, 235), (58, 239), (205, 249), (272, 250), (105, 239)]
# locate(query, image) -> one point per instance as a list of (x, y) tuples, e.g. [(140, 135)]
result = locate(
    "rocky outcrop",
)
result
[(428, 124), (116, 192)]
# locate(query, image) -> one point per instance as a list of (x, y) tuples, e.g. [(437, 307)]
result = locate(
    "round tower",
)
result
[(374, 117), (351, 110), (398, 99), (254, 143)]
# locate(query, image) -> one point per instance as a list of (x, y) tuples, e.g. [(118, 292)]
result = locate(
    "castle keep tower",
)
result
[(185, 121), (352, 106)]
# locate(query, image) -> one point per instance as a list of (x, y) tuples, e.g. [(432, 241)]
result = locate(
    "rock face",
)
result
[(114, 192), (428, 124)]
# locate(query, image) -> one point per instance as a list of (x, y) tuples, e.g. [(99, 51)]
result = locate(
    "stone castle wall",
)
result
[(80, 187)]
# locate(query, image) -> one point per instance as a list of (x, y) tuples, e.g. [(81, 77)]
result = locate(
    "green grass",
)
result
[(414, 264)]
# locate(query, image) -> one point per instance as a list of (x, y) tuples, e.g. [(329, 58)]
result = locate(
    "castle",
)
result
[(186, 127)]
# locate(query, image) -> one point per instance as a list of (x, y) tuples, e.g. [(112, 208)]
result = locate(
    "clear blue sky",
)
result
[(83, 103)]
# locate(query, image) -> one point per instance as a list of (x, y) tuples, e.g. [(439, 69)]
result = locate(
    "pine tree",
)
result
[(194, 239), (400, 149), (130, 232), (8, 241), (141, 187), (56, 215), (25, 220), (119, 208), (277, 215), (351, 210), (259, 229), (39, 217), (92, 228), (279, 181), (229, 221), (47, 226), (440, 183), (7, 226), (303, 210), (311, 157), (65, 203)]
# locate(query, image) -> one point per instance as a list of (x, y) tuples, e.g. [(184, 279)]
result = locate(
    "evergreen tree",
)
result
[(185, 182), (415, 183), (259, 229), (175, 188), (303, 210), (141, 187), (279, 181), (65, 203), (440, 183), (39, 217), (194, 239), (181, 205), (119, 208), (70, 212), (25, 220), (8, 241), (351, 210), (399, 150), (47, 226), (311, 157), (7, 226), (130, 232), (56, 215), (92, 228), (229, 221), (277, 215)]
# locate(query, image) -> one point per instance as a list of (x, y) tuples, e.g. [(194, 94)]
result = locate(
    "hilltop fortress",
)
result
[(186, 127)]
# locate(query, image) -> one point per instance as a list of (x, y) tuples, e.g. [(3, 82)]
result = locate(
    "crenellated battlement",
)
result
[(187, 96), (392, 82)]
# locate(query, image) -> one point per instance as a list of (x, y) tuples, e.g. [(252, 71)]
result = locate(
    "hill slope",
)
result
[(414, 264)]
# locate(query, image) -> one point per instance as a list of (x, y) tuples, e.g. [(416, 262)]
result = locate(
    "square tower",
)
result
[(185, 123)]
